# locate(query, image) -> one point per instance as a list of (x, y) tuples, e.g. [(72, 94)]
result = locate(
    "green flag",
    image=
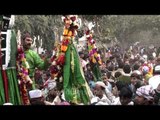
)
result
[(75, 87)]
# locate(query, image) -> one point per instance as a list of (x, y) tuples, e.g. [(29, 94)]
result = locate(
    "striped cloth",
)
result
[(146, 91)]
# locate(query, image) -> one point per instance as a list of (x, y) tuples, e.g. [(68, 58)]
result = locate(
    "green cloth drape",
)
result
[(97, 72), (14, 95), (75, 87), (13, 89), (2, 96)]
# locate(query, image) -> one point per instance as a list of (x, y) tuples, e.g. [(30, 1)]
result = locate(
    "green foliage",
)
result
[(40, 25), (122, 27)]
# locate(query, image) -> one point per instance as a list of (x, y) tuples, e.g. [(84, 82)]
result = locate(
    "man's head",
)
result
[(52, 94), (135, 76), (125, 95), (26, 41), (156, 70), (158, 60), (127, 68), (144, 95), (99, 89), (36, 97), (81, 54)]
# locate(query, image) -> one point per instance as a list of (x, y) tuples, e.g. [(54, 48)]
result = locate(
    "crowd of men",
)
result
[(130, 77)]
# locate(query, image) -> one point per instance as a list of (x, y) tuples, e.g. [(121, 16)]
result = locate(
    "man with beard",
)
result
[(101, 97), (33, 59)]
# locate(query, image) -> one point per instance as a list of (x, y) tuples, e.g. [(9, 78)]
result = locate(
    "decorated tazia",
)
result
[(76, 89), (92, 49), (58, 56), (23, 75), (94, 56), (66, 64), (9, 91)]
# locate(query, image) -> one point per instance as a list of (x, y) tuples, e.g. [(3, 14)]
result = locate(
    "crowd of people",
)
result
[(123, 77), (129, 77)]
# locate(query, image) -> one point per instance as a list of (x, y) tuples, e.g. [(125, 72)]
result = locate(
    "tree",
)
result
[(40, 25), (107, 27)]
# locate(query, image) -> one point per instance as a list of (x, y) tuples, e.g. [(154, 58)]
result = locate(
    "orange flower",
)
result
[(100, 62), (70, 33), (65, 32), (93, 60), (95, 54), (64, 48)]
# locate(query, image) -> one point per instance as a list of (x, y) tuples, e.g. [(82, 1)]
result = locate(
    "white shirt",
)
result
[(103, 101), (154, 81)]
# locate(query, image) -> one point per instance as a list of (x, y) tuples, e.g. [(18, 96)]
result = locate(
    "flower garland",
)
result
[(23, 77), (93, 54), (57, 63), (58, 57), (71, 25)]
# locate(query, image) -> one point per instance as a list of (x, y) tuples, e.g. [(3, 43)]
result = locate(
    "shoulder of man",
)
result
[(32, 52)]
